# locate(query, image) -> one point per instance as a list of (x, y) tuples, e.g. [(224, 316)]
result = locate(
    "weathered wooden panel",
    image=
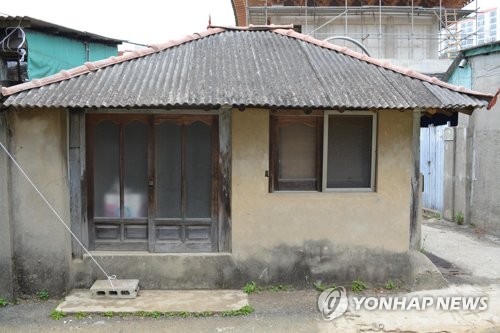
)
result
[(225, 180), (76, 121)]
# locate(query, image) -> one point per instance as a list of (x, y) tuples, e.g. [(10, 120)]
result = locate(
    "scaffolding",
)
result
[(316, 20)]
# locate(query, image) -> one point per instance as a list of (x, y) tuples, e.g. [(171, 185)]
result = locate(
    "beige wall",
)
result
[(41, 244), (263, 220), (287, 237)]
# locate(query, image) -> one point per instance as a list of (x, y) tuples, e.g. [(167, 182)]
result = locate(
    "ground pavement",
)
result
[(467, 258)]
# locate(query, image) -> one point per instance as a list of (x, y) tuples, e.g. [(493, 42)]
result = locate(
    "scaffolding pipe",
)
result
[(440, 14), (412, 32), (476, 38), (392, 35), (265, 22), (446, 28), (327, 22), (379, 27), (305, 1), (247, 14), (345, 20)]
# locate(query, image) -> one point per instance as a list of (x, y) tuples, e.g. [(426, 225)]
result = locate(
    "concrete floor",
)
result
[(475, 255), (157, 301)]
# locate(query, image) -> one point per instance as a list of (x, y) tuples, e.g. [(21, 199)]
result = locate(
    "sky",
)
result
[(483, 4), (143, 21)]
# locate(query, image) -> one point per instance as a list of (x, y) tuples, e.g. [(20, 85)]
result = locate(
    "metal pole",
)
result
[(345, 28), (475, 19), (379, 28), (440, 25), (247, 13), (412, 31), (305, 30), (326, 23), (265, 23)]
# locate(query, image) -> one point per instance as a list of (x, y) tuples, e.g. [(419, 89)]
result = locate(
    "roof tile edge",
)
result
[(384, 64), (113, 60)]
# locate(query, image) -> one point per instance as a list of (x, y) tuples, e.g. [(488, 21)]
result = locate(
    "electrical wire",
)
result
[(109, 277)]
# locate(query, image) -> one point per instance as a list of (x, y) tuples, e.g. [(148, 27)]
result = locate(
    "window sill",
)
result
[(154, 254), (350, 190)]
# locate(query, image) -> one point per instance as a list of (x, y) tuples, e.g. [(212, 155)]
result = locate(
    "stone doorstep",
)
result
[(115, 289), (80, 300)]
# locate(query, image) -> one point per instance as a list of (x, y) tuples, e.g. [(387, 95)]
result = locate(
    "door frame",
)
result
[(80, 175)]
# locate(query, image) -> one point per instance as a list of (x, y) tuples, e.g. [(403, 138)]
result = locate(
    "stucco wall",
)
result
[(273, 230), (40, 243), (484, 126), (286, 237)]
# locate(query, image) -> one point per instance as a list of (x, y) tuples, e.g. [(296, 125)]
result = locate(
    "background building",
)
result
[(405, 33), (477, 28)]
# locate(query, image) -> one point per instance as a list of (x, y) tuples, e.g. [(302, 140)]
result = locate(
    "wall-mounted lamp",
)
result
[(462, 63)]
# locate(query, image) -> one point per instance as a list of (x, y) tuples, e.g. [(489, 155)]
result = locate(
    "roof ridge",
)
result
[(374, 61), (88, 67)]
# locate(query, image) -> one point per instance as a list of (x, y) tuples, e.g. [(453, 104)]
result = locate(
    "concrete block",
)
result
[(115, 289)]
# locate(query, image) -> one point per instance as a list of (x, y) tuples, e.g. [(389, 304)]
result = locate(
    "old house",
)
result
[(231, 155)]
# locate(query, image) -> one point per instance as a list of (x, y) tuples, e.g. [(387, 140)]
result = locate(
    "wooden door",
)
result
[(185, 184), (152, 182)]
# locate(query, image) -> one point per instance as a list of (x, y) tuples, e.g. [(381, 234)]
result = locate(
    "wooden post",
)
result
[(415, 207), (76, 180), (225, 179), (7, 282)]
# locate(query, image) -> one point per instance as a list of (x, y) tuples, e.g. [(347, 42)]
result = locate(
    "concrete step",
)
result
[(80, 300)]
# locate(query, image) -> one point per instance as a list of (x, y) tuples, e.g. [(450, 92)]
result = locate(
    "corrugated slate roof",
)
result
[(256, 66)]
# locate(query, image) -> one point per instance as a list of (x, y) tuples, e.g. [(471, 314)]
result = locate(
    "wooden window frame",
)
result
[(320, 118), (276, 122)]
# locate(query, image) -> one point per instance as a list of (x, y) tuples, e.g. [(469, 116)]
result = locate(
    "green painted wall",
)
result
[(49, 54), (462, 76)]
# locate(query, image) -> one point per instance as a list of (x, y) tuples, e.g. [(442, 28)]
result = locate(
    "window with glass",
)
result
[(296, 143), (323, 152)]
